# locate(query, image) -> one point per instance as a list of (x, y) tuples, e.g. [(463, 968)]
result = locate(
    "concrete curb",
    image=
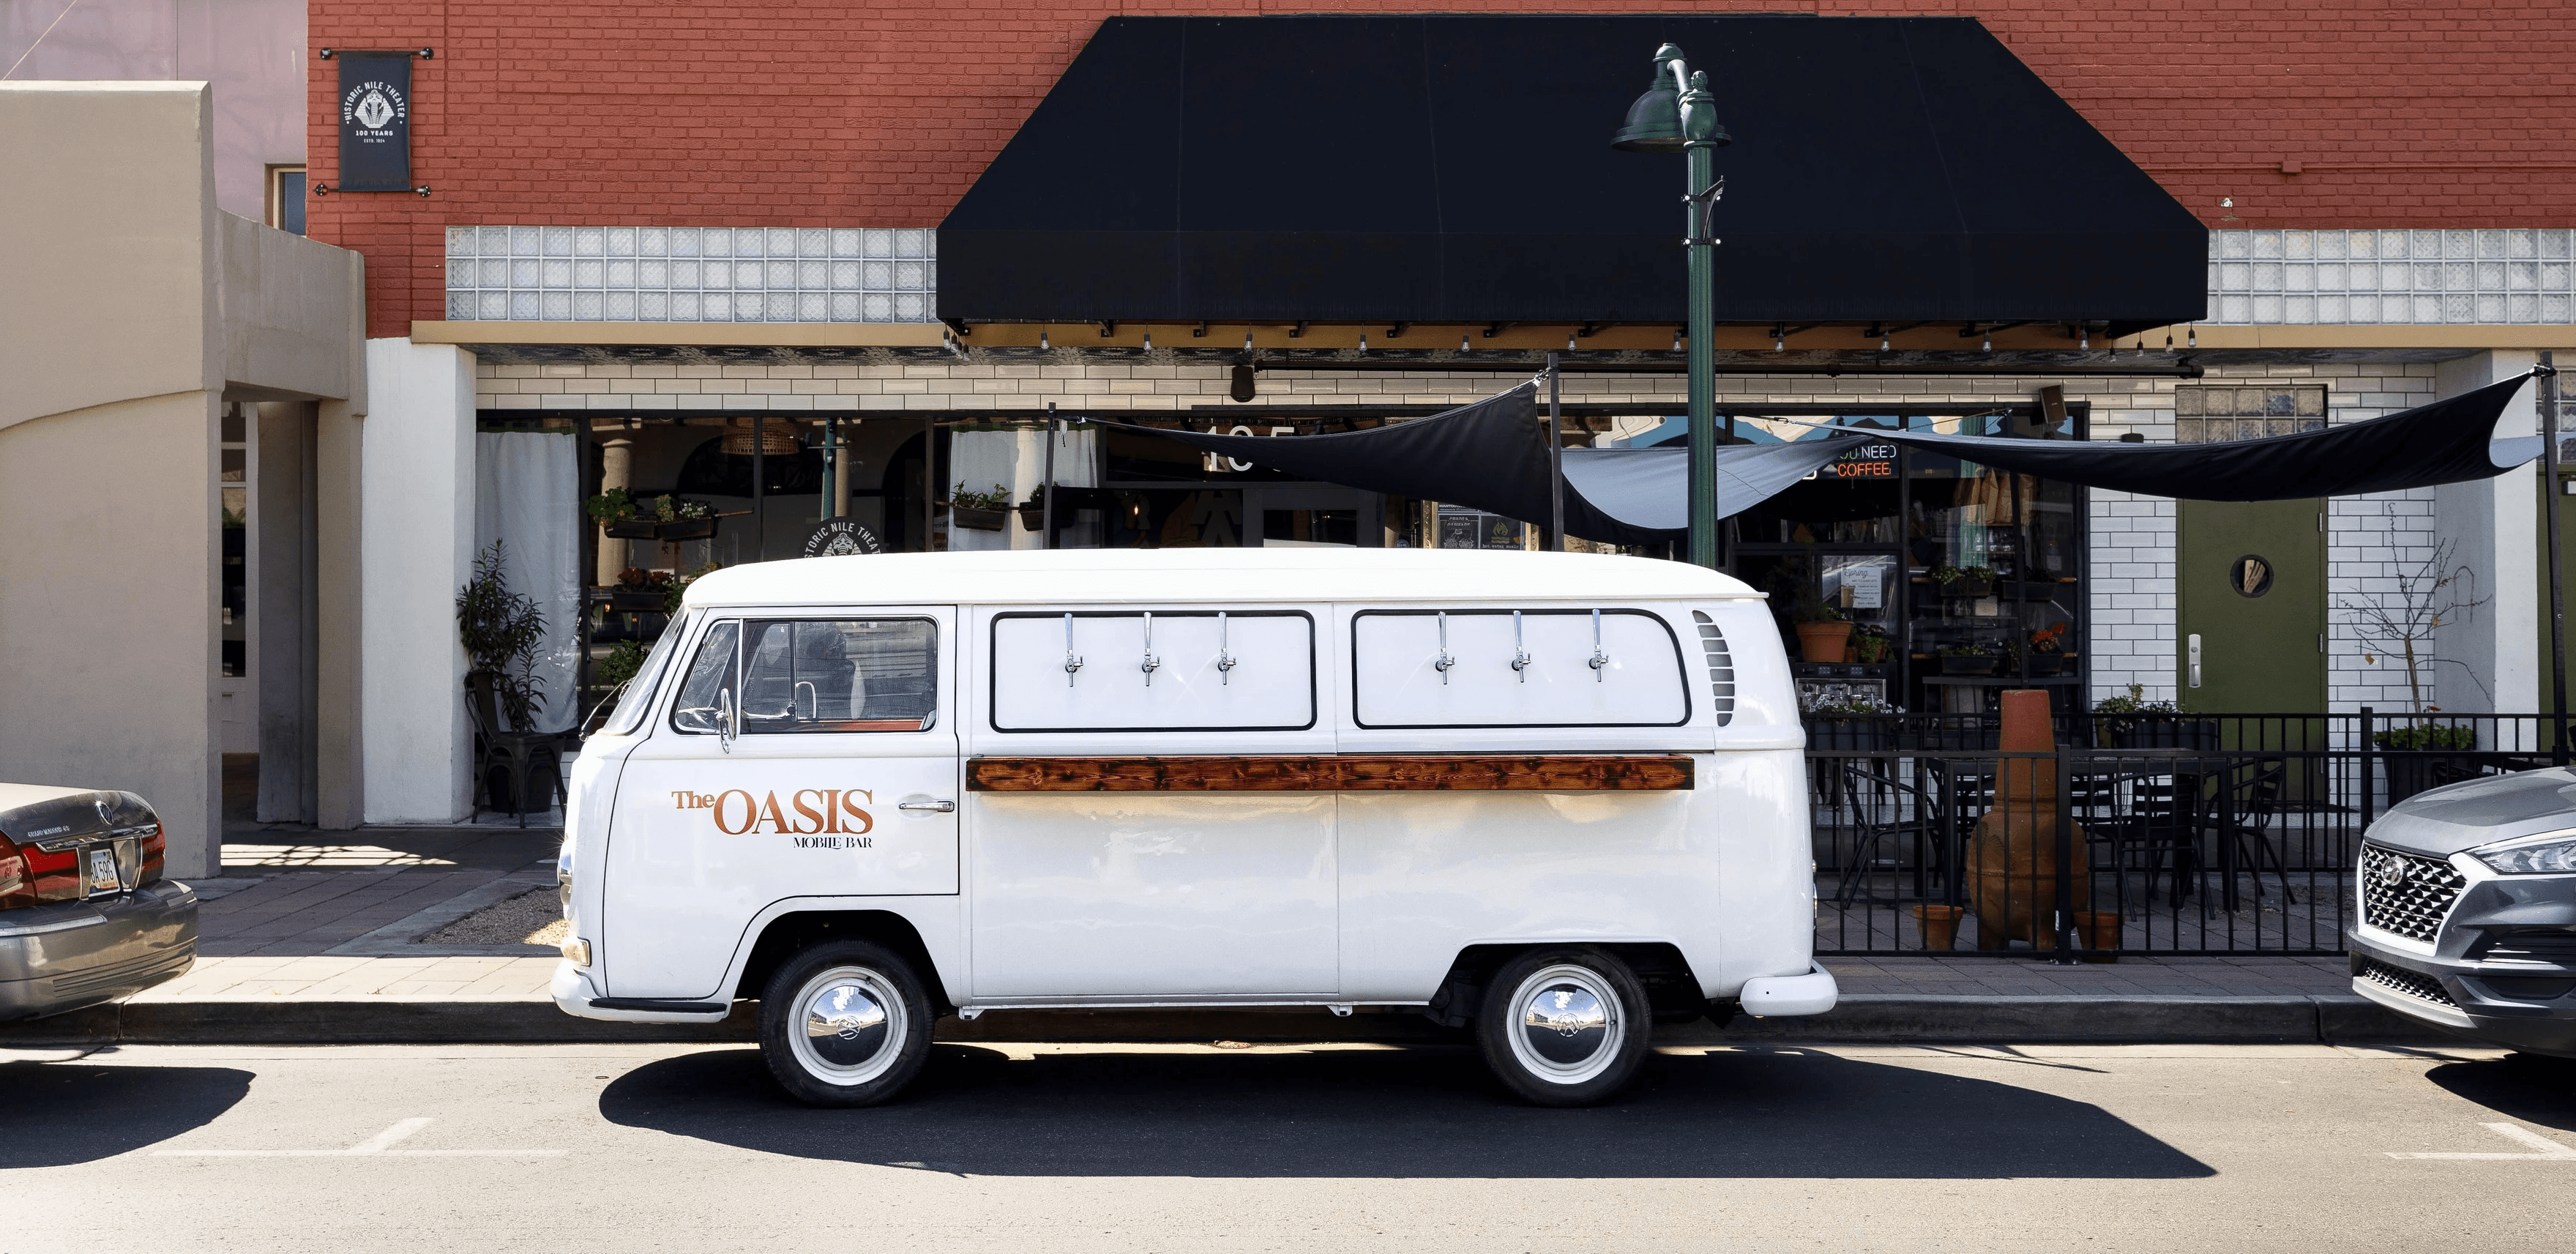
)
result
[(1871, 1018)]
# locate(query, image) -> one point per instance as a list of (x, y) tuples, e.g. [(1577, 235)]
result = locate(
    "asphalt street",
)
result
[(1190, 1148)]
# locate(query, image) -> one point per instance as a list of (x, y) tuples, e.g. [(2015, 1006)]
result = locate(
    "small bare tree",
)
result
[(2435, 593)]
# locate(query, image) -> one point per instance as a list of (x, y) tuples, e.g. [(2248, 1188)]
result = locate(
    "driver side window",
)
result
[(696, 711)]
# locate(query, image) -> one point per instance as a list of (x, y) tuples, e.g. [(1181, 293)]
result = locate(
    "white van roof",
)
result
[(1120, 576)]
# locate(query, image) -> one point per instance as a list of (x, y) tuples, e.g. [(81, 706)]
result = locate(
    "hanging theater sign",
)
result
[(375, 121)]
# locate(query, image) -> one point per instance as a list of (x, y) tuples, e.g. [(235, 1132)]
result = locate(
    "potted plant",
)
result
[(1824, 635), (1849, 720), (2133, 722), (619, 515), (1968, 583), (1871, 646), (2046, 654), (639, 590), (684, 520), (2425, 756), (1967, 659), (978, 511)]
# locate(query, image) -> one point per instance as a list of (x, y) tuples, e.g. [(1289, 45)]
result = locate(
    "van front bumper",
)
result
[(2465, 998), (1782, 996), (574, 995), (73, 954)]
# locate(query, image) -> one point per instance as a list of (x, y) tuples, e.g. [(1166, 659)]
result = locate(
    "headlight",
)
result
[(2551, 853)]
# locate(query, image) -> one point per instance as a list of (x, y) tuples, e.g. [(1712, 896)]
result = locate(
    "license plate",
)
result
[(102, 871)]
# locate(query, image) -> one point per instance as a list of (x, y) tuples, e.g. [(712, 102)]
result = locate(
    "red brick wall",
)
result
[(757, 113)]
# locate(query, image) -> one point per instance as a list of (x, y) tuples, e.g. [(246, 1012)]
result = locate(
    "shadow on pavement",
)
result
[(1410, 1113), (2536, 1090), (54, 1114)]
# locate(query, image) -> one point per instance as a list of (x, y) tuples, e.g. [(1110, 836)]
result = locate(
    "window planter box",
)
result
[(631, 600), (1954, 664), (1967, 589), (974, 519), (687, 529), (632, 529)]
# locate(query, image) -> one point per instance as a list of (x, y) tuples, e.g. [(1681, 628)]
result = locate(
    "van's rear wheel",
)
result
[(1564, 1027), (844, 1024)]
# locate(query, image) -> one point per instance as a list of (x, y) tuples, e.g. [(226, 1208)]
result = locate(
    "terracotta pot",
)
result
[(1824, 642), (1940, 925), (2099, 929), (2011, 860)]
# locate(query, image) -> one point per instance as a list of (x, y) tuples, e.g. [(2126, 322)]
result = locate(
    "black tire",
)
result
[(1597, 1041), (868, 1032)]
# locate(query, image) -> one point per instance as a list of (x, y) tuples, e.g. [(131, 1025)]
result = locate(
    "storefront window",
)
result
[(1917, 580)]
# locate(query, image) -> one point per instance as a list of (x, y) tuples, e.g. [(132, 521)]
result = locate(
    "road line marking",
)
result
[(377, 1146), (2549, 1150), (384, 1140)]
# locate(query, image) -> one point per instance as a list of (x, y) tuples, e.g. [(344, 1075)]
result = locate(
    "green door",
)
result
[(2250, 580)]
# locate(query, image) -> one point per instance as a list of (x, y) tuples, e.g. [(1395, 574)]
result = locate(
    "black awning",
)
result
[(1453, 168)]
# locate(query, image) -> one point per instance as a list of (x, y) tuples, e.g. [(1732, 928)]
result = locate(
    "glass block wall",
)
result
[(690, 274), (2209, 414), (2418, 277)]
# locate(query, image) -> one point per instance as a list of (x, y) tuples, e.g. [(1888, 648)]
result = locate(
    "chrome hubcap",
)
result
[(1566, 1027), (851, 1025)]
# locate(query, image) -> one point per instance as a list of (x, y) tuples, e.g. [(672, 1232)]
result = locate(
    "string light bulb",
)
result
[(1882, 342), (2193, 335), (2086, 340), (1569, 341), (1677, 339), (1043, 345), (1990, 341), (1247, 341), (1462, 343), (1149, 341), (1363, 341)]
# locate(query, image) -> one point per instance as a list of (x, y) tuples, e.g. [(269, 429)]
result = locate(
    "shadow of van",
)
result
[(54, 1114), (1418, 1113)]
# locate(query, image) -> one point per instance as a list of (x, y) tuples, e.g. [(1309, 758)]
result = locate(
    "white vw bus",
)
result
[(1557, 797)]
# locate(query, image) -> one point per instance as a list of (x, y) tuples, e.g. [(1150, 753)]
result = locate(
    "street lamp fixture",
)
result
[(1677, 114)]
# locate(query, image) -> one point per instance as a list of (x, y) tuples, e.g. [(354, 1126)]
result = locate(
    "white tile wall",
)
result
[(2133, 609), (690, 274), (2422, 277)]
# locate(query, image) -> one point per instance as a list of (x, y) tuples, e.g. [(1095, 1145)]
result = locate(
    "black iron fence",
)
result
[(2141, 834)]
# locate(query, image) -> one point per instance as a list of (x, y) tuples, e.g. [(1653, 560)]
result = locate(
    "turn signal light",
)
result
[(577, 951)]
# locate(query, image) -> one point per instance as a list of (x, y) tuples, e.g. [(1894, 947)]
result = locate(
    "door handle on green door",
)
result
[(2194, 648)]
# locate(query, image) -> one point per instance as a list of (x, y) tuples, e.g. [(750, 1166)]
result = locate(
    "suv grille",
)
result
[(2405, 893), (2419, 987)]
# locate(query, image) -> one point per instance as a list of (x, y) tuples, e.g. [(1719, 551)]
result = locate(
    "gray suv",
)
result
[(2467, 910), (85, 914)]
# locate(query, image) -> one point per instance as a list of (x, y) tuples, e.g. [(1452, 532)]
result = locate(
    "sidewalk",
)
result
[(321, 937)]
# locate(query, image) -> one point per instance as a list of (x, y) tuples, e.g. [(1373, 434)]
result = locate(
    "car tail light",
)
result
[(15, 889), (149, 863), (53, 876)]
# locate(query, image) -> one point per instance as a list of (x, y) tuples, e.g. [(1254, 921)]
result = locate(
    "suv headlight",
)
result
[(2550, 853)]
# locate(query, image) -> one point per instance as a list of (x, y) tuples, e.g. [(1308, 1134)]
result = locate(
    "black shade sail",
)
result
[(1492, 455), (2451, 441), (1457, 168)]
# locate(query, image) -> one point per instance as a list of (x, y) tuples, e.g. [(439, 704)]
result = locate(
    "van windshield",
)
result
[(698, 711)]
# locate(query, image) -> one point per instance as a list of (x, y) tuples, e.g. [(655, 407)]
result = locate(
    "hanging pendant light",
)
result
[(1149, 341), (1043, 345), (1363, 341), (1462, 343), (1677, 339)]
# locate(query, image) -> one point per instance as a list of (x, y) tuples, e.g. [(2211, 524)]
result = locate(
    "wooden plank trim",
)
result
[(1382, 772)]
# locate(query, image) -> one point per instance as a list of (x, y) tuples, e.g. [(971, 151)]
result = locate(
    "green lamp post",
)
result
[(1677, 115)]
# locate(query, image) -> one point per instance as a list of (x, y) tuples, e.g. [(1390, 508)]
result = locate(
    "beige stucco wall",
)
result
[(136, 309)]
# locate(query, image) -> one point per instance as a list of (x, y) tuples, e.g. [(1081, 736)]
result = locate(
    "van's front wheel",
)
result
[(844, 1024), (1564, 1027)]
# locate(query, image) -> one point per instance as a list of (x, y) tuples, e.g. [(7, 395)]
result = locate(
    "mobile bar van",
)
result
[(1557, 798)]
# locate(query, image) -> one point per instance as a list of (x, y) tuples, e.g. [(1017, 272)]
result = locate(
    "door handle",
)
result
[(2194, 647), (932, 807)]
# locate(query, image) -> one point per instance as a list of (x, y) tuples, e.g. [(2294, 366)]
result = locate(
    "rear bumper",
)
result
[(1782, 996), (83, 953)]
